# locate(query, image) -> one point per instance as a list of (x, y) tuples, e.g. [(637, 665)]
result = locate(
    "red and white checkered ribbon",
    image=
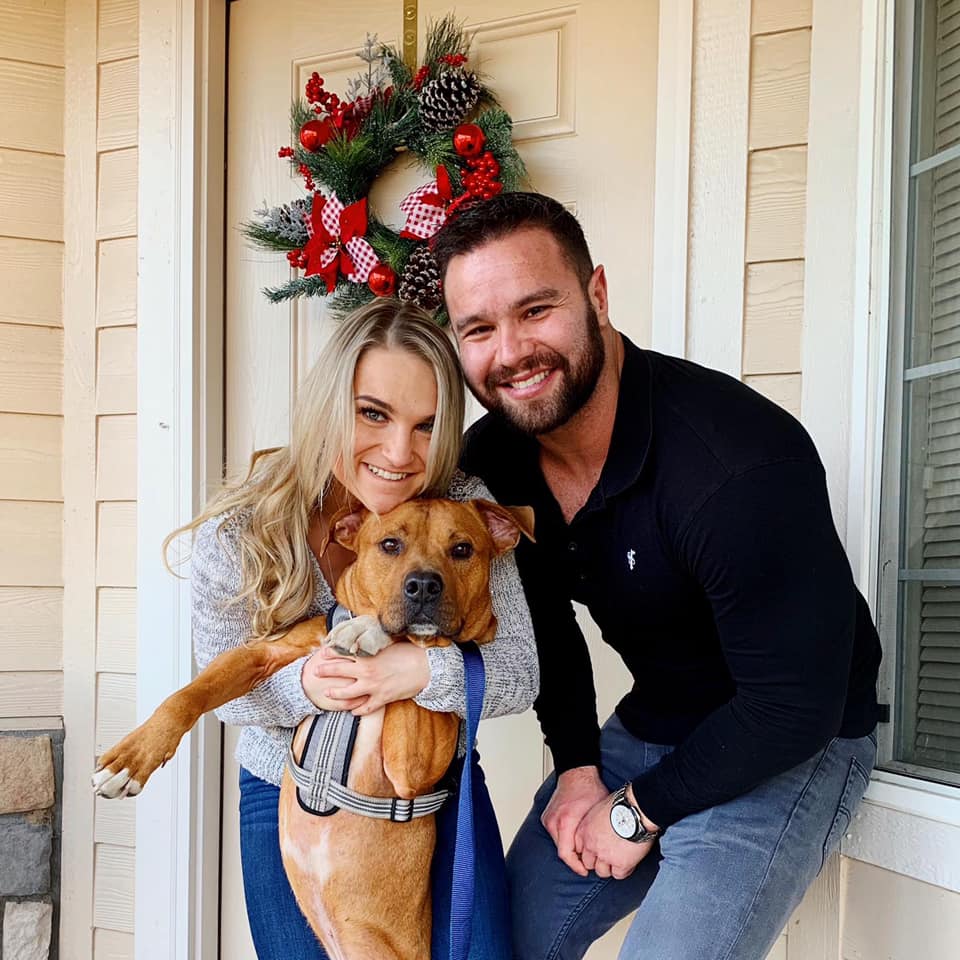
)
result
[(336, 243), (426, 207)]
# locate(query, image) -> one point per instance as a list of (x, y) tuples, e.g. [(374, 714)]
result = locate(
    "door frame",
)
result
[(179, 448), (180, 376)]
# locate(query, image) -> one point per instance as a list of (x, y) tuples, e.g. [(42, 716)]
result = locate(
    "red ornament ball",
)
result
[(382, 280), (468, 140), (315, 133)]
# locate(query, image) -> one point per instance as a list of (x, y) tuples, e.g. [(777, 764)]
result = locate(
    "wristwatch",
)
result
[(626, 821)]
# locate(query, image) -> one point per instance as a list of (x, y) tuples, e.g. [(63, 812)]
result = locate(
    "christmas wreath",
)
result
[(444, 116)]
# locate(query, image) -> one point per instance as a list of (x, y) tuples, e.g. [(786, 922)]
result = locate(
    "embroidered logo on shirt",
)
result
[(631, 559)]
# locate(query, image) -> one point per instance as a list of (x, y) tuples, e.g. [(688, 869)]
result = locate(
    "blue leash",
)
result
[(461, 899)]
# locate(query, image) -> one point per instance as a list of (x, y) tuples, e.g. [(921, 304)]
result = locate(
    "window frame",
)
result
[(906, 824), (891, 451)]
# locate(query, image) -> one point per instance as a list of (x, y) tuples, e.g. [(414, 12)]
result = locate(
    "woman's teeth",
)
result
[(385, 474), (530, 381)]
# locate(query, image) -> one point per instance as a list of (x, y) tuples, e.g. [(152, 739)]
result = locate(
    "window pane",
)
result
[(928, 725), (937, 86), (934, 284), (931, 479)]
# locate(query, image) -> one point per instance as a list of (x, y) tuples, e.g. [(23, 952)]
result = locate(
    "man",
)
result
[(690, 515)]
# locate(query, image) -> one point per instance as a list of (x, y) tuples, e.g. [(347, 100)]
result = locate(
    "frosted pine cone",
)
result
[(420, 283), (448, 98)]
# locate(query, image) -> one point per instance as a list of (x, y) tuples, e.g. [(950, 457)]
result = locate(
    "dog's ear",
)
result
[(505, 524), (346, 526)]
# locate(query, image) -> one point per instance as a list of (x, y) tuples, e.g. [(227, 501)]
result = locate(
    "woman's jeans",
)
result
[(279, 929), (722, 883)]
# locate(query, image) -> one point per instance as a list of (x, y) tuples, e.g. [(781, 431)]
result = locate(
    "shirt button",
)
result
[(572, 546)]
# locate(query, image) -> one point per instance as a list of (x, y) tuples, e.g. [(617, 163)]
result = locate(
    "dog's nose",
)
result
[(422, 587)]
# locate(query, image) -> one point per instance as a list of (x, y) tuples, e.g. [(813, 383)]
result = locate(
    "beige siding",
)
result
[(115, 469), (99, 476), (776, 199), (31, 360), (891, 916)]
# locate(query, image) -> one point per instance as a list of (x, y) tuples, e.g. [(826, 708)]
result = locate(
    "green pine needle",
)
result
[(264, 238), (389, 246), (348, 296), (314, 286), (445, 37)]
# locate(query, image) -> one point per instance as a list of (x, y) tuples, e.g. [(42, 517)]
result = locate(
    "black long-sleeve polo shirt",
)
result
[(708, 557)]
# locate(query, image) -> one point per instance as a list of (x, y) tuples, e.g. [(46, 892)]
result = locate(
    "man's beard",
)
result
[(577, 383)]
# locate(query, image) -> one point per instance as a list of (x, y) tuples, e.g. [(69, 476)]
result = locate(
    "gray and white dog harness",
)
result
[(320, 773)]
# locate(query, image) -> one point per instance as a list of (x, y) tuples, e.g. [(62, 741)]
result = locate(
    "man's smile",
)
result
[(527, 384)]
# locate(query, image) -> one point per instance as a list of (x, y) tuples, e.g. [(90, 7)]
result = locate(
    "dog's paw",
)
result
[(358, 637), (124, 769), (113, 786)]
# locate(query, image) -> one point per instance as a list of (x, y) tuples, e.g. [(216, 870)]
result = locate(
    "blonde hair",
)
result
[(285, 485)]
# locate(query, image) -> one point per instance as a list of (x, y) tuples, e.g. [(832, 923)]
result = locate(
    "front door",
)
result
[(580, 84)]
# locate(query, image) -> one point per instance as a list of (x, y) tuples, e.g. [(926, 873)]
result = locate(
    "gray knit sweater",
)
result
[(270, 712)]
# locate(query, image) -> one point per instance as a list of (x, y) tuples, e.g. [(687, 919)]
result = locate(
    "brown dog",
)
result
[(422, 571)]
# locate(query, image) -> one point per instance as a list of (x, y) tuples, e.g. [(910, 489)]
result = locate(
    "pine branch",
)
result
[(445, 37), (400, 73), (264, 238), (314, 286), (348, 297), (497, 127), (389, 246)]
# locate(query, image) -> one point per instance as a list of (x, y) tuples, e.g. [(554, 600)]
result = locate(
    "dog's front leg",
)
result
[(125, 768)]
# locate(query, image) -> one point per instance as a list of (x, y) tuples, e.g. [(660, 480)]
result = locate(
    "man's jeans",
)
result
[(721, 885)]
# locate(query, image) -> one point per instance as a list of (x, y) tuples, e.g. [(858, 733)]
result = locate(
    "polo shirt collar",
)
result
[(632, 427)]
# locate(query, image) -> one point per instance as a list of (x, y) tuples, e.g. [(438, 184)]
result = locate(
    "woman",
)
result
[(377, 422)]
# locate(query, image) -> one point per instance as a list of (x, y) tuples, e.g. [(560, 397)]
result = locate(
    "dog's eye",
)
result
[(391, 545), (462, 551)]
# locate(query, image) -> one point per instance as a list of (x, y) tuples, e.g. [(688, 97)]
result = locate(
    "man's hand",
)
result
[(578, 792), (601, 850)]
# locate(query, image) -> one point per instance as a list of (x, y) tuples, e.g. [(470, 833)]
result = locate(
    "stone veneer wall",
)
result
[(31, 776)]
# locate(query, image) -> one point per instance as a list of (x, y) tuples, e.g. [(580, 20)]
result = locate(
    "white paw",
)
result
[(361, 636), (113, 786)]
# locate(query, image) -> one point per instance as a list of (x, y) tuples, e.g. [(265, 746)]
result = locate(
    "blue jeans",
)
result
[(722, 883), (279, 929)]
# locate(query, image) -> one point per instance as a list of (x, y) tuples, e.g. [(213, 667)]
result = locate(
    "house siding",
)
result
[(100, 449), (31, 364), (779, 103)]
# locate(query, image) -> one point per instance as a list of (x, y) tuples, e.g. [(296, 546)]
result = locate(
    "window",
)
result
[(920, 549)]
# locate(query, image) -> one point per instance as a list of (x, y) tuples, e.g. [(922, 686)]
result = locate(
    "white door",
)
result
[(580, 83)]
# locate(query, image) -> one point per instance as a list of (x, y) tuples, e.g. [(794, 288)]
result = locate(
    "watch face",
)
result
[(623, 820)]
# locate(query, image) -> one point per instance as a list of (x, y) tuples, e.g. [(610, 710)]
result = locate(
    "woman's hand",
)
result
[(316, 688), (365, 684)]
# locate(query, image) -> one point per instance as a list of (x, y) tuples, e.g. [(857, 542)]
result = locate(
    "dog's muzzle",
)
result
[(422, 592)]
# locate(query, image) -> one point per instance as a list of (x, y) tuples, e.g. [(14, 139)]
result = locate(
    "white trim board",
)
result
[(182, 49), (671, 198), (718, 184), (909, 826)]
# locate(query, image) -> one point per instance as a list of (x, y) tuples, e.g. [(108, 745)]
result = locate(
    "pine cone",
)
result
[(420, 283), (448, 98)]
